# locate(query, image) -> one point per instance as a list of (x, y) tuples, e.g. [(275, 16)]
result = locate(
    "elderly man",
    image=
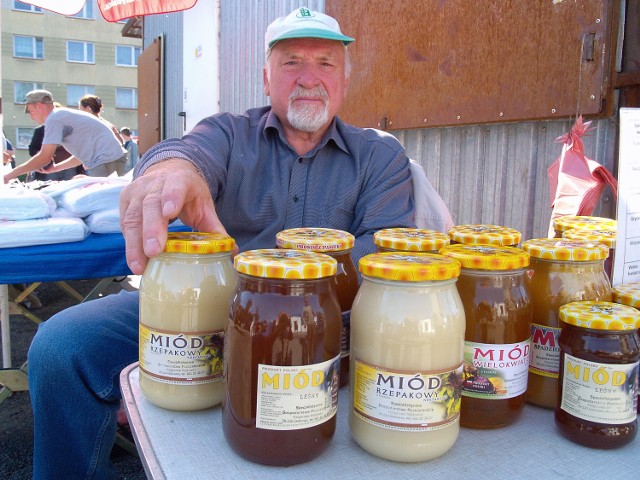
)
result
[(89, 140), (293, 164)]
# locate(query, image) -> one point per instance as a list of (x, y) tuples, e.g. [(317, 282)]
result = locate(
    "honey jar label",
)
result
[(495, 371), (180, 358), (296, 397), (406, 401), (599, 392), (545, 351)]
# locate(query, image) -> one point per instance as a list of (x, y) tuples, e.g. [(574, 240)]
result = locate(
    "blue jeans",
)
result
[(74, 366)]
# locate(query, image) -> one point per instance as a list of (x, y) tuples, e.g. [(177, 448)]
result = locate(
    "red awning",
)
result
[(114, 10)]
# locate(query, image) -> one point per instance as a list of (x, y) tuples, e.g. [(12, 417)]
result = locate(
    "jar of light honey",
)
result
[(184, 305), (282, 356), (337, 244), (410, 240), (498, 311), (485, 235), (599, 358), (582, 222), (407, 343), (560, 271)]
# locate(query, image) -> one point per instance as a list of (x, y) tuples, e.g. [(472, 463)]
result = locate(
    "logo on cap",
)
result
[(304, 12)]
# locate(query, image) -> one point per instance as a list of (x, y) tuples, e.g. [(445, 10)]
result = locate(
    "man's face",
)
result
[(38, 112), (306, 80)]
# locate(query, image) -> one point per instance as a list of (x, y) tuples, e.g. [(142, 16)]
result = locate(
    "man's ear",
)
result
[(265, 80)]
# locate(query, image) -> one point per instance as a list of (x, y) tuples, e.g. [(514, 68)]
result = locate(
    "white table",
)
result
[(181, 445)]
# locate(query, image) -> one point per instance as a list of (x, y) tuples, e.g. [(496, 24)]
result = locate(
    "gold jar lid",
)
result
[(600, 315), (583, 222), (410, 239), (315, 239), (606, 237), (285, 264), (627, 294), (487, 257), (198, 243), (565, 250), (484, 235), (409, 267)]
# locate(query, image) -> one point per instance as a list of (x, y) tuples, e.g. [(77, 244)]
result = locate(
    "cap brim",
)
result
[(312, 33)]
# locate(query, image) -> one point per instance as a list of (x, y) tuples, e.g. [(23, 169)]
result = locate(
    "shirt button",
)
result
[(299, 160), (295, 198)]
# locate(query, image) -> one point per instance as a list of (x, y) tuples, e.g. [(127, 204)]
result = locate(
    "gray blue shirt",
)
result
[(85, 136), (357, 180)]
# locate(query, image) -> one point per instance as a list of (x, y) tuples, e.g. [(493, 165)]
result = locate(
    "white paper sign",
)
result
[(627, 254)]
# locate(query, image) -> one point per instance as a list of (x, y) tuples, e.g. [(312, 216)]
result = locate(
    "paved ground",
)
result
[(16, 420)]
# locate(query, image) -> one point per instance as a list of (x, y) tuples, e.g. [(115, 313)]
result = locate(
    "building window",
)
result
[(76, 92), (127, 98), (23, 137), (27, 47), (25, 7), (86, 12), (20, 90), (127, 55), (80, 52)]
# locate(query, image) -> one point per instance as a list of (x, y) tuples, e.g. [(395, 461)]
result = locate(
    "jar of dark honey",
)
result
[(485, 235), (561, 271), (628, 294), (606, 237), (410, 240), (498, 313), (599, 357), (337, 244), (282, 357), (582, 222)]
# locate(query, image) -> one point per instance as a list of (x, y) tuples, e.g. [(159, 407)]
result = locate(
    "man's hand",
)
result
[(172, 188)]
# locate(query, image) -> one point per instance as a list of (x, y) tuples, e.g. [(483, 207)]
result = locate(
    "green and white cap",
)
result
[(304, 23)]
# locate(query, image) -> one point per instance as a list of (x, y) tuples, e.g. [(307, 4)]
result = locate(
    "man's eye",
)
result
[(327, 67)]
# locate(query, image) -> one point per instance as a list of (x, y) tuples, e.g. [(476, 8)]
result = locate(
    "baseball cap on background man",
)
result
[(38, 96), (304, 23)]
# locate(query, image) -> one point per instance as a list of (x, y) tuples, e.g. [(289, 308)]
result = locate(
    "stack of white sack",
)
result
[(20, 203), (41, 231), (25, 219), (96, 199)]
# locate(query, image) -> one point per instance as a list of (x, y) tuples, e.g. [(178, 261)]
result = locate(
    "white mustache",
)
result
[(317, 92)]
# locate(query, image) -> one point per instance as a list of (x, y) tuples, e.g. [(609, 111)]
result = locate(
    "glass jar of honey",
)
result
[(184, 304), (498, 313), (282, 357), (407, 343), (606, 237), (410, 240), (582, 222), (599, 358), (337, 244), (561, 271), (628, 294), (485, 235)]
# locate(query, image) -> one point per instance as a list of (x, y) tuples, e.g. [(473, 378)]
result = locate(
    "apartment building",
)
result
[(69, 56)]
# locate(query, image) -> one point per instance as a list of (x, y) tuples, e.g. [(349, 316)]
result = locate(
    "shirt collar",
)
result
[(273, 122)]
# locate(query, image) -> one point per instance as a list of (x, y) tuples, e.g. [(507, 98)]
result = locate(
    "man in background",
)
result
[(90, 141), (132, 148)]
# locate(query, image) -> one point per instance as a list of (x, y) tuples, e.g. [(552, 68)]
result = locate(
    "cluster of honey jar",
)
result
[(443, 331)]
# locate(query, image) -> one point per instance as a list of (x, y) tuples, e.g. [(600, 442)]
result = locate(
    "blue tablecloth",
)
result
[(99, 255)]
